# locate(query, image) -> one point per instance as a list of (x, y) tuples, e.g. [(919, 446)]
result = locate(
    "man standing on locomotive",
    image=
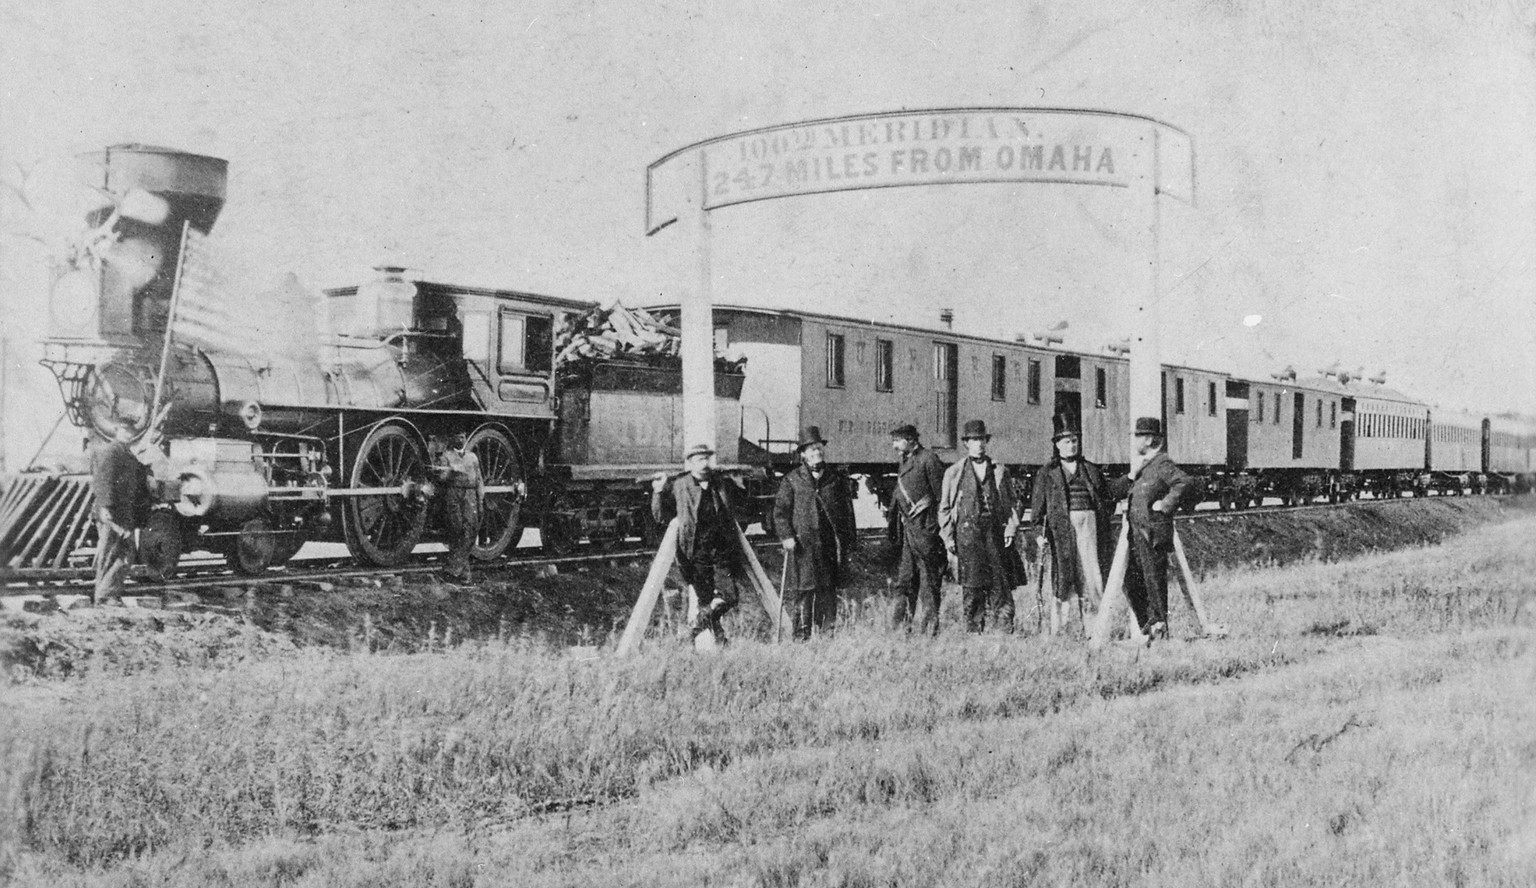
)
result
[(119, 484), (707, 545), (1156, 486), (813, 516), (978, 521), (1070, 509), (914, 524), (464, 490)]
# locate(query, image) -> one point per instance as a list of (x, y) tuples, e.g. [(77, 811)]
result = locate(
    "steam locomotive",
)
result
[(258, 447)]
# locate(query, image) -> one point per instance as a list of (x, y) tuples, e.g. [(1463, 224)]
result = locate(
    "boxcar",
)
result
[(1285, 435), (1193, 402)]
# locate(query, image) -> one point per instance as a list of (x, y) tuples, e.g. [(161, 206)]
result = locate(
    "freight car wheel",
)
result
[(383, 528), (160, 545), (501, 514)]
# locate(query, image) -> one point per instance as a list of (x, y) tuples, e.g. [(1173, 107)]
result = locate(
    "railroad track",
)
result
[(211, 573)]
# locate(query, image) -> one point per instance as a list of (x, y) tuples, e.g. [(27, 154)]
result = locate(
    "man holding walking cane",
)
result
[(813, 516)]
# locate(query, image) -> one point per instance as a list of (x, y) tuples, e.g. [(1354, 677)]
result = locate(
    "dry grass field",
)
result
[(1368, 721)]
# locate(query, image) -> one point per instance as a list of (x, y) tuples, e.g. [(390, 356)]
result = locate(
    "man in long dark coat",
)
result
[(977, 520), (813, 516), (1070, 509), (914, 525), (708, 550), (1156, 486), (119, 486)]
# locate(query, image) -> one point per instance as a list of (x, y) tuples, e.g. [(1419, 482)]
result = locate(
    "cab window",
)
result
[(525, 343)]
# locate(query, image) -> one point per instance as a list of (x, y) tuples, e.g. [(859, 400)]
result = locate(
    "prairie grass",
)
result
[(1367, 722)]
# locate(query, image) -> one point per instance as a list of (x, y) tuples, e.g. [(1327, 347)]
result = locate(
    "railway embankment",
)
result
[(585, 607), (1277, 537)]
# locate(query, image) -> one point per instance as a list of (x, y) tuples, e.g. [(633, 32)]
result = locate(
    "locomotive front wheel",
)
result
[(560, 532), (160, 545), (285, 546), (383, 529), (501, 514), (254, 549)]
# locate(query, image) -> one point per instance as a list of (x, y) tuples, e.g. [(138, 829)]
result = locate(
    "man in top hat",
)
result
[(463, 490), (978, 521), (707, 548), (1156, 486), (914, 524), (813, 515), (1070, 509), (119, 485)]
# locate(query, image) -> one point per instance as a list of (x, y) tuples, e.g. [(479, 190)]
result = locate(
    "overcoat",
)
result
[(981, 557), (818, 516), (1049, 510)]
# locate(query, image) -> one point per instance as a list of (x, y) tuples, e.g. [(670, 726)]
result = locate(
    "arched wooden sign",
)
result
[(936, 147)]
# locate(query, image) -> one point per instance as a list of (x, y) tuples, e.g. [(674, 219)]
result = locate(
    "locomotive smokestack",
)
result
[(139, 270), (947, 318)]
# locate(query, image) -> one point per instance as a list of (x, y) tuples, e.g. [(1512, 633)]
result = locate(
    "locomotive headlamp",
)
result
[(119, 393)]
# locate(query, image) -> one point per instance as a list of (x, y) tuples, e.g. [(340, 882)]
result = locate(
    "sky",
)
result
[(1366, 174)]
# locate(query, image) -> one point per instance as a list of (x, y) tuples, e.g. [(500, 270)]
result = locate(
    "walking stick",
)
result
[(1040, 587), (778, 633)]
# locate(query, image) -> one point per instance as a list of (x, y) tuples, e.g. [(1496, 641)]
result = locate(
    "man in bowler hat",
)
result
[(707, 548), (1156, 486), (977, 520), (914, 524), (813, 516), (1070, 509)]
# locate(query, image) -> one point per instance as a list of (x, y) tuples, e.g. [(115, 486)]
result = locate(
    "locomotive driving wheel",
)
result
[(501, 513), (383, 528)]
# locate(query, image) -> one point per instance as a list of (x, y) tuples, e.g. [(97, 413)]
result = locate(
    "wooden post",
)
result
[(1146, 370), (1192, 593), (640, 617), (697, 327), (1114, 595), (765, 591)]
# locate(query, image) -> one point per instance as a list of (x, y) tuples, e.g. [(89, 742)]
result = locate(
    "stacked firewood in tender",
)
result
[(625, 334), (601, 334)]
